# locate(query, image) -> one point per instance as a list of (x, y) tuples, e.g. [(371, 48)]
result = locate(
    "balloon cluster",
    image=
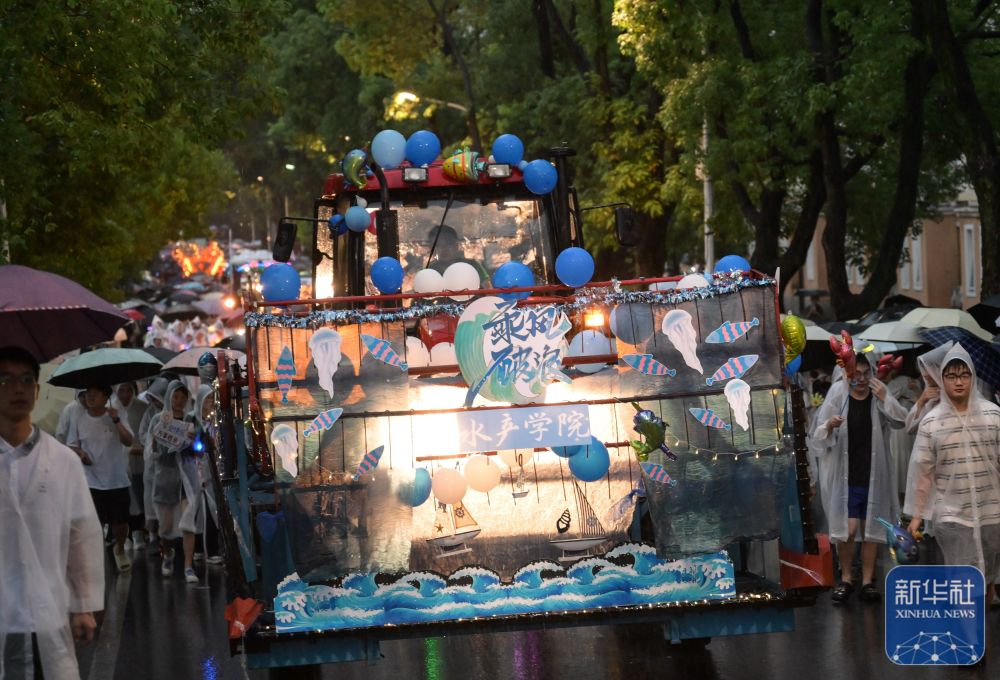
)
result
[(793, 334), (843, 349), (480, 474), (587, 462), (887, 365)]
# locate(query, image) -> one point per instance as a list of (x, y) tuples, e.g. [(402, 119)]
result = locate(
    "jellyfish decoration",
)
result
[(679, 329), (738, 395), (286, 447), (325, 347)]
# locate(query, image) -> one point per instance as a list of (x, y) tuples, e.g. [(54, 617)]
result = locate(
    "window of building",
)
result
[(811, 263), (969, 259), (904, 268), (917, 261)]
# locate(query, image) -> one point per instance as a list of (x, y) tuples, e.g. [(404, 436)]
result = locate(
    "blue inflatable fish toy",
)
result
[(731, 332), (647, 365), (734, 368), (324, 421), (902, 546), (383, 351), (369, 462), (658, 473), (709, 419), (285, 370)]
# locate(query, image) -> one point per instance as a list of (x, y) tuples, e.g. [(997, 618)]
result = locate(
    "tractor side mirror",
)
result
[(626, 228)]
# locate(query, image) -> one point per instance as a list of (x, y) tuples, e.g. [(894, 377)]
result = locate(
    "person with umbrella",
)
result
[(102, 440), (51, 562)]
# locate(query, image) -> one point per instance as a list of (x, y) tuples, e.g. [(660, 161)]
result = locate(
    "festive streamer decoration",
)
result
[(575, 267), (387, 275), (285, 370), (369, 462), (463, 166), (286, 447), (324, 421), (508, 148), (653, 431), (658, 473), (793, 333), (325, 347), (389, 149), (734, 368), (731, 332), (738, 395), (422, 148), (354, 168), (383, 351), (708, 418), (647, 365), (611, 296), (679, 328), (280, 281)]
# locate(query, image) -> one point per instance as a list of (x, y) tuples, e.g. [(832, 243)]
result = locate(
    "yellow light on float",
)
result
[(593, 317)]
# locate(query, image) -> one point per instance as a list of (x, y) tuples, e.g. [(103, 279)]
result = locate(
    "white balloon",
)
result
[(586, 343), (416, 353), (428, 281), (361, 202), (443, 354), (693, 281), (449, 486), (663, 285), (482, 473), (461, 276), (516, 458)]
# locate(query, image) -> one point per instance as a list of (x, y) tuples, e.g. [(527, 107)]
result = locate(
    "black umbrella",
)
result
[(237, 342), (986, 313), (161, 353), (181, 312), (107, 366), (49, 315)]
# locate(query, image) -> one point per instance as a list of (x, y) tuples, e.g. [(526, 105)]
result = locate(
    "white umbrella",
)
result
[(935, 317), (817, 333), (892, 331), (187, 361)]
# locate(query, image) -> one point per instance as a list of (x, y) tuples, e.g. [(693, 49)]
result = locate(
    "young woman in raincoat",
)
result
[(843, 454), (195, 476), (954, 475), (168, 484)]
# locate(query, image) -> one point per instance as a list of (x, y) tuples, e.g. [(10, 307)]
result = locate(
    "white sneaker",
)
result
[(190, 576), (128, 543), (167, 568), (214, 559), (122, 560), (138, 542)]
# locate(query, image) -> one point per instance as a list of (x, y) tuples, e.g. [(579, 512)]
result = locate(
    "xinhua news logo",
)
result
[(935, 615)]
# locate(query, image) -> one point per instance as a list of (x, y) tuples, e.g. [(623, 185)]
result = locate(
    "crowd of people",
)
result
[(125, 469), (925, 452)]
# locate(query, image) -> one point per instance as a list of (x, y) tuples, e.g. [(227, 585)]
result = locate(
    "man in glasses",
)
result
[(51, 558), (954, 473)]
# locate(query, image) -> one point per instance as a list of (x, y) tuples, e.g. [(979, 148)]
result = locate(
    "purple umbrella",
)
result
[(49, 315)]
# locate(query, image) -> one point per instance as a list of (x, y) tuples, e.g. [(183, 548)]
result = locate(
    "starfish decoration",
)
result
[(439, 527)]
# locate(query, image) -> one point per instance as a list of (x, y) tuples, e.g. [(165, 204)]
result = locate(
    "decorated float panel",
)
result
[(498, 477)]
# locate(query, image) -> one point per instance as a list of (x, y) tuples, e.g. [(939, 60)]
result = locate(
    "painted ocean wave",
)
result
[(630, 574)]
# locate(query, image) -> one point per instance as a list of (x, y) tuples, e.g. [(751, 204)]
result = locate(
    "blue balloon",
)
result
[(575, 267), (280, 282), (732, 263), (514, 275), (414, 492), (387, 275), (337, 224), (389, 149), (540, 177), (793, 366), (568, 451), (592, 464), (422, 147), (508, 149), (357, 218)]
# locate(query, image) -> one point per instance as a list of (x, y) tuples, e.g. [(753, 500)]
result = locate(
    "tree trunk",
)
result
[(546, 58), (975, 132), (794, 257), (463, 67)]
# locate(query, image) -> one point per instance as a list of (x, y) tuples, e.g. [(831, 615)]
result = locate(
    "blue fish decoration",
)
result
[(709, 419), (731, 332), (324, 421), (902, 545), (647, 365), (658, 473), (285, 370), (383, 351), (734, 368), (369, 462)]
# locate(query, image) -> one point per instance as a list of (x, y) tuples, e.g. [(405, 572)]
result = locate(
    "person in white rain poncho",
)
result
[(195, 478), (51, 553), (954, 475), (168, 485), (851, 444)]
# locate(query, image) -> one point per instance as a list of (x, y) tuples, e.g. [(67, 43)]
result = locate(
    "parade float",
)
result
[(462, 432)]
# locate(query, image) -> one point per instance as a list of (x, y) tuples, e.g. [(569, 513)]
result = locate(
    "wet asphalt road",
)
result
[(157, 629)]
